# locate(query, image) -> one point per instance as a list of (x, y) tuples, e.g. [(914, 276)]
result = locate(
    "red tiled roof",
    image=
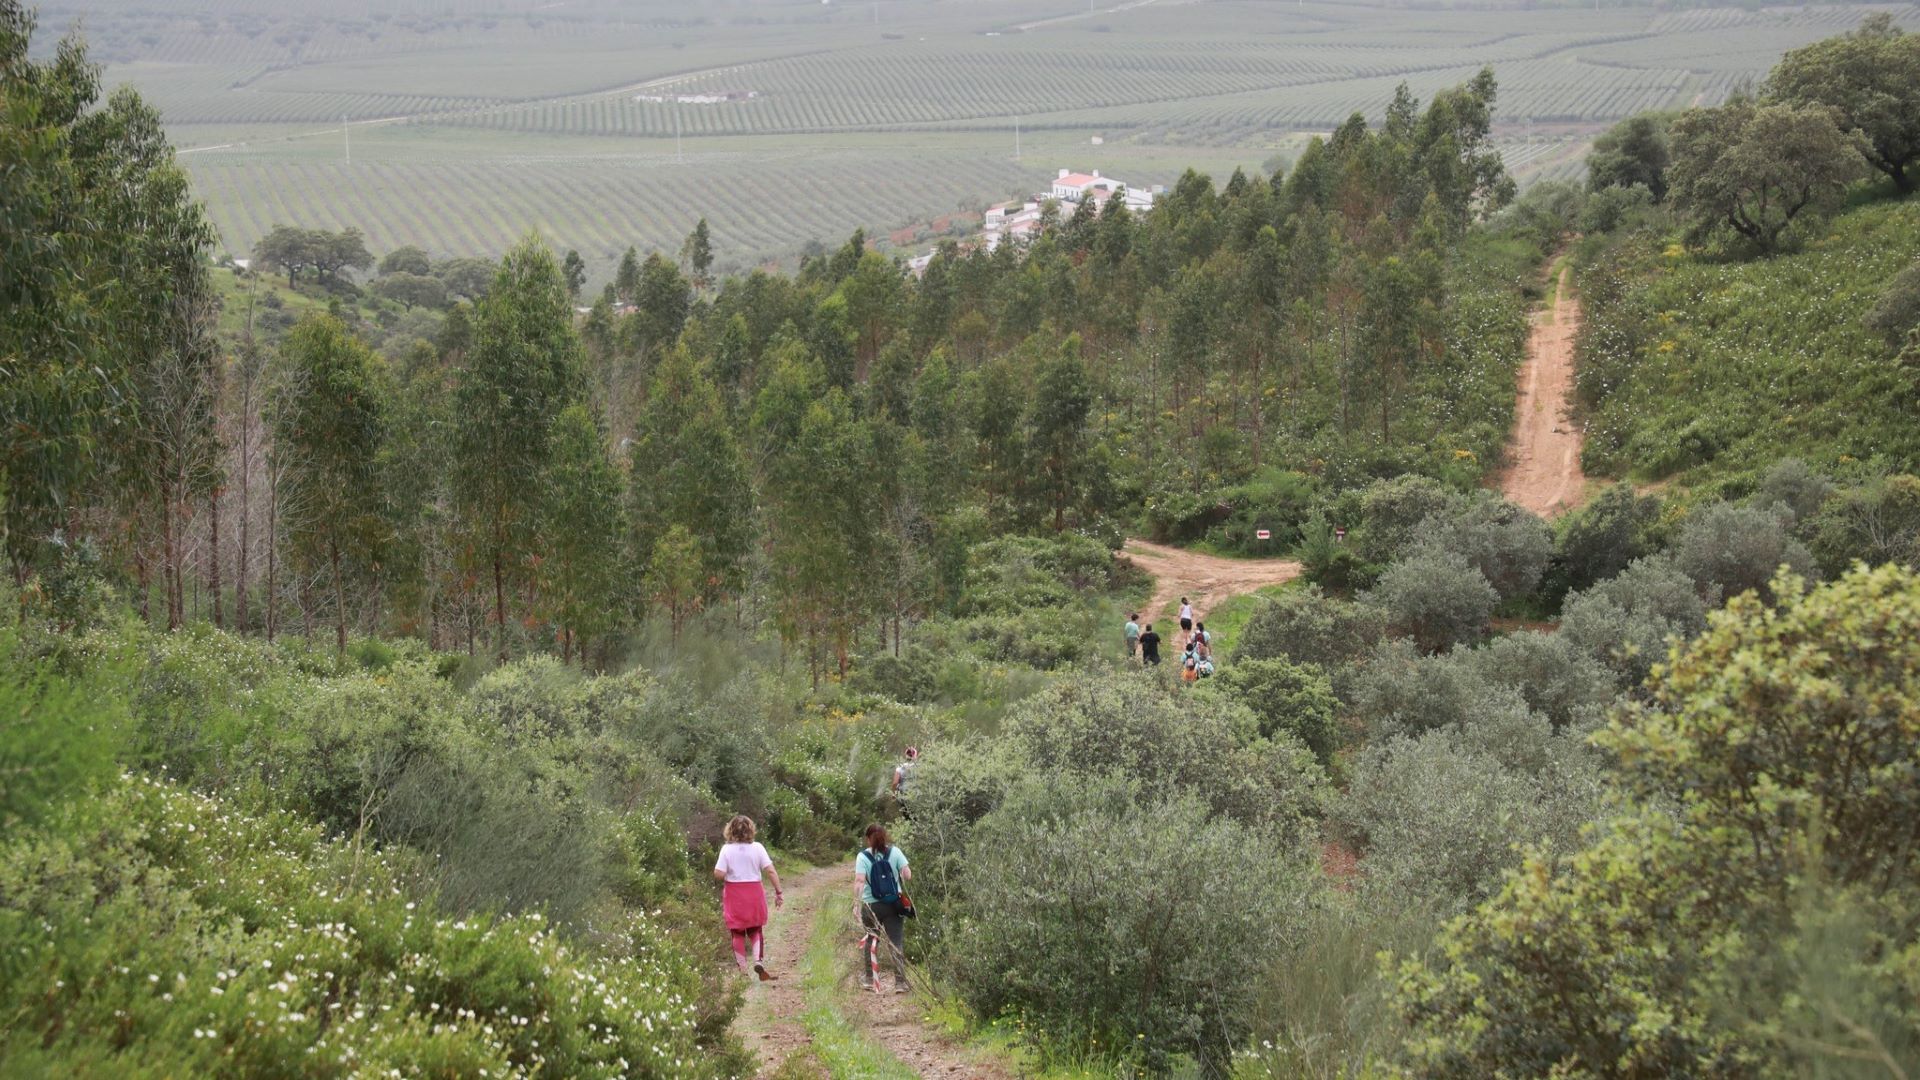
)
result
[(1076, 179)]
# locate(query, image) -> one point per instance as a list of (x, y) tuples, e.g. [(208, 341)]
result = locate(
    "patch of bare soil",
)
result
[(769, 1022), (1205, 580), (894, 1021), (1543, 458)]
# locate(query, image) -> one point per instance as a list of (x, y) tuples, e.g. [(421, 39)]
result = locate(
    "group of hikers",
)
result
[(880, 874), (1194, 642), (880, 869)]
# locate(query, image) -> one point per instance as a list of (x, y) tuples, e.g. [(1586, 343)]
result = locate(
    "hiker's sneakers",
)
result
[(765, 975)]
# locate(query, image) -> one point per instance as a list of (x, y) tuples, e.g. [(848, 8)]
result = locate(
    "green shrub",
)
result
[(165, 934), (1508, 545), (1898, 309), (1330, 562), (1393, 513), (1607, 209), (1794, 484), (1443, 815), (1286, 698), (1628, 622), (1877, 522), (1038, 638), (1124, 929), (1767, 787), (1308, 627), (910, 678), (715, 739), (1278, 500), (58, 741), (1557, 679), (1017, 575), (1401, 691), (1169, 743), (1733, 549), (1436, 598), (1598, 540)]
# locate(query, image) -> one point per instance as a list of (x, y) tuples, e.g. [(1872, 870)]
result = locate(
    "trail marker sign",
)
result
[(1263, 534)]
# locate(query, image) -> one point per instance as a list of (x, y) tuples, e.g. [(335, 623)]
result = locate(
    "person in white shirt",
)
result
[(1186, 617), (743, 899)]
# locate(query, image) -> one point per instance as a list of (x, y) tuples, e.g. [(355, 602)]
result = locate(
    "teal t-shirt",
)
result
[(863, 865)]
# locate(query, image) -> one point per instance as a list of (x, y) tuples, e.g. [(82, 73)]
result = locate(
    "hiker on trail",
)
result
[(879, 872), (903, 775), (1206, 639), (1150, 647), (1132, 633), (1202, 648), (743, 897), (1186, 616), (1190, 661)]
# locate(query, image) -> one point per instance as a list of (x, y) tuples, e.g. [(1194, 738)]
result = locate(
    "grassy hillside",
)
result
[(1702, 370)]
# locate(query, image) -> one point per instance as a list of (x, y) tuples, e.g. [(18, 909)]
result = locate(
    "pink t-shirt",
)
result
[(743, 862)]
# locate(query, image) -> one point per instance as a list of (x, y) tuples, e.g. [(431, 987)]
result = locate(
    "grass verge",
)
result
[(838, 1047)]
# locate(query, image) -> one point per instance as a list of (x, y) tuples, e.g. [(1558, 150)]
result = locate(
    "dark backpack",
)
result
[(880, 879)]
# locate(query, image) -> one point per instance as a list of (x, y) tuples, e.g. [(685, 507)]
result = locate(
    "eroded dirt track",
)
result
[(1543, 456), (1205, 580)]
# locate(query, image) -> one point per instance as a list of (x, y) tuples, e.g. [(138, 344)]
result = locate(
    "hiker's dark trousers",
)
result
[(882, 915)]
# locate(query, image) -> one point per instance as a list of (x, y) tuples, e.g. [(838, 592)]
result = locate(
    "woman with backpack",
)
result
[(743, 900), (879, 872)]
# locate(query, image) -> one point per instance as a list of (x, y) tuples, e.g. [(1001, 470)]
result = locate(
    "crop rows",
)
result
[(896, 87), (758, 209)]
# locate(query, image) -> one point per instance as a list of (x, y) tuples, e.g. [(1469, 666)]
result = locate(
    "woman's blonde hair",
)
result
[(740, 830)]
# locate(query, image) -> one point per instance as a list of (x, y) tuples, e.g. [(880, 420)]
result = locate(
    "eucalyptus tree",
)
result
[(523, 368)]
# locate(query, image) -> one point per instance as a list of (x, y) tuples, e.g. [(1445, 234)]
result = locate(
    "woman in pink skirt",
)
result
[(744, 899)]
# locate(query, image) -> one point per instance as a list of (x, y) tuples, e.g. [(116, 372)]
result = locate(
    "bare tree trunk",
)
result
[(499, 607), (339, 599), (213, 556), (143, 580), (170, 569), (273, 549), (240, 567)]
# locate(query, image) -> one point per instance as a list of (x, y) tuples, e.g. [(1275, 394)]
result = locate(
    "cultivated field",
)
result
[(472, 122)]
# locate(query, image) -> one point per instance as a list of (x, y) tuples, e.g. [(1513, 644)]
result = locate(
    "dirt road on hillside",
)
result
[(1543, 457), (1205, 580)]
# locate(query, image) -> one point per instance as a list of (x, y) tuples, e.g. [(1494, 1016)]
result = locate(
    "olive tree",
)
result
[(1755, 170)]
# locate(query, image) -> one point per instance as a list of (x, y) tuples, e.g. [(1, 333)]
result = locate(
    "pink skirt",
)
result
[(744, 903)]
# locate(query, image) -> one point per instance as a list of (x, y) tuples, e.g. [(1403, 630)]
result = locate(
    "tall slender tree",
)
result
[(582, 530), (328, 427), (522, 370)]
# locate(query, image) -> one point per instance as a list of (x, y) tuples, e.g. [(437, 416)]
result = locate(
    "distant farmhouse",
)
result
[(1019, 222), (1073, 187)]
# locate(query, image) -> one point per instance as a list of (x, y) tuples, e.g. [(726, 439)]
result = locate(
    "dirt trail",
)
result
[(770, 1021), (1543, 458), (1205, 580)]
